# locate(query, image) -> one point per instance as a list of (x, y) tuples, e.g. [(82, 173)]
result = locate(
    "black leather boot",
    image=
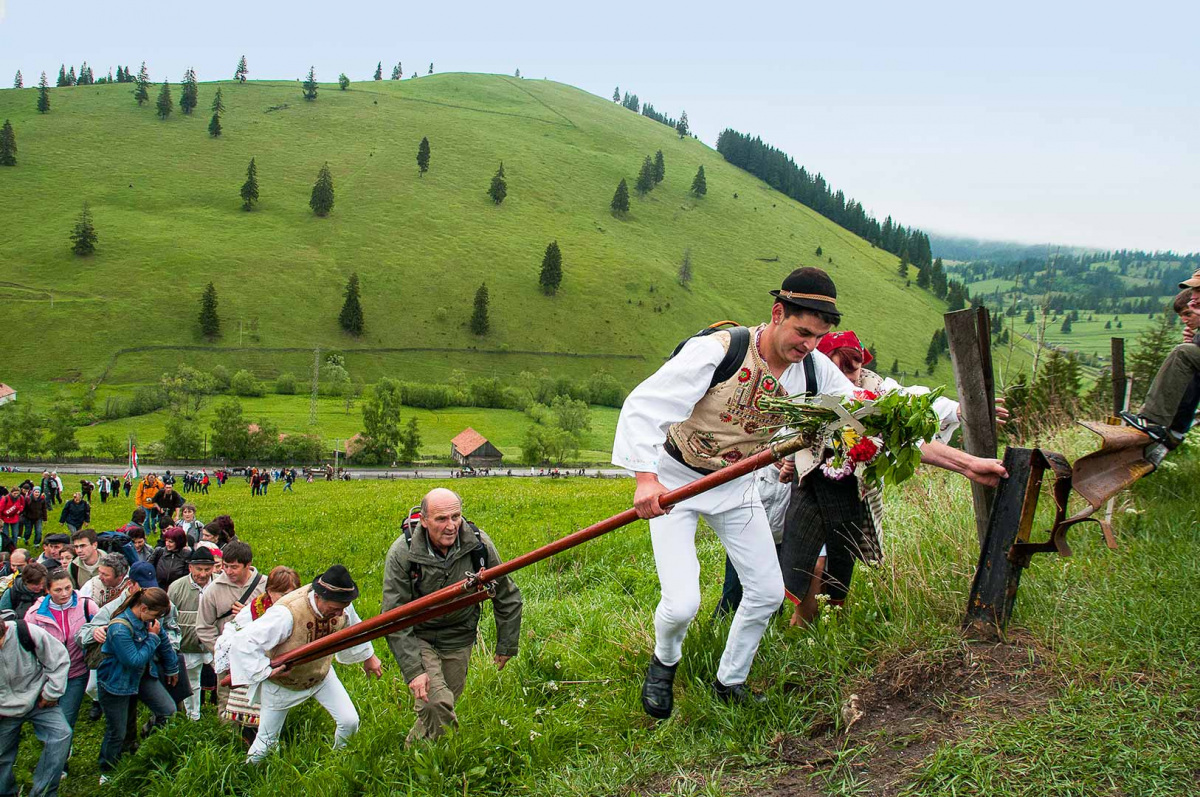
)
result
[(658, 692), (737, 694)]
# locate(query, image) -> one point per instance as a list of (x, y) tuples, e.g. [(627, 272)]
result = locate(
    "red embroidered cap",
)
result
[(846, 339)]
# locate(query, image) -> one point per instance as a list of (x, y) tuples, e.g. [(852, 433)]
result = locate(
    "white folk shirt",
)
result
[(670, 393), (250, 664)]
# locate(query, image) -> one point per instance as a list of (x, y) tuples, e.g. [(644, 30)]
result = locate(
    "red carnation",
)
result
[(864, 450), (866, 395)]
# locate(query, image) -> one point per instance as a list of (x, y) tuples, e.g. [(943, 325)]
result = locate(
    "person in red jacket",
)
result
[(11, 507)]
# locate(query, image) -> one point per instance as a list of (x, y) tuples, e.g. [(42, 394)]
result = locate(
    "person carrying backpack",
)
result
[(134, 648), (61, 613), (34, 666)]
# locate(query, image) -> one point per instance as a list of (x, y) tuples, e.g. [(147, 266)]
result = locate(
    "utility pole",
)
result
[(337, 444)]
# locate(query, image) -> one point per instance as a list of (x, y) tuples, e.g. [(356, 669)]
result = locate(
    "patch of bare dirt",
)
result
[(895, 720)]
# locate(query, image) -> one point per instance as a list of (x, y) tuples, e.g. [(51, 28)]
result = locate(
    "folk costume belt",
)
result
[(675, 454)]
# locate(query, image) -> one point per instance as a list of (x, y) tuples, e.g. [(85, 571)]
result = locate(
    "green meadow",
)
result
[(1103, 697), (164, 195)]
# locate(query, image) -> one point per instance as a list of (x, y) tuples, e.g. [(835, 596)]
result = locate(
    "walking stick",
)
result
[(450, 598)]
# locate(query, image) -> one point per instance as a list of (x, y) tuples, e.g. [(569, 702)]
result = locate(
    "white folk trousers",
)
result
[(736, 514), (277, 701), (194, 663)]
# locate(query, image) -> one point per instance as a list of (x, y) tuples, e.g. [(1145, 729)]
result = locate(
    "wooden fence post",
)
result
[(968, 333), (1118, 376)]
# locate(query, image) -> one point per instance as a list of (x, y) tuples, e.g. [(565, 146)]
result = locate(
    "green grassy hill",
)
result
[(165, 199)]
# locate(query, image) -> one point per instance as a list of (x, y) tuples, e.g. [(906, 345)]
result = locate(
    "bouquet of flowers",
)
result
[(871, 436)]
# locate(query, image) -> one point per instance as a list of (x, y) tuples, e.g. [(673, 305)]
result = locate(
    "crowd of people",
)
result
[(108, 616)]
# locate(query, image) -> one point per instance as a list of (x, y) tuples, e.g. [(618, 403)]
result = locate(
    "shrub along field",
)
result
[(1114, 637)]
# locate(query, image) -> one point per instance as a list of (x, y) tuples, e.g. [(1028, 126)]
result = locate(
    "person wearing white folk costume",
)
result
[(697, 414), (302, 616)]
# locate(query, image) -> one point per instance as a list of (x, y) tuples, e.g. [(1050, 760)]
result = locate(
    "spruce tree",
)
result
[(71, 79), (140, 91), (240, 74), (43, 101), (310, 84), (379, 71), (699, 184), (902, 268), (896, 366), (18, 81), (214, 125), (480, 324), (423, 156), (431, 67), (682, 127), (397, 73), (62, 76), (685, 269), (351, 317), (551, 276), (322, 193), (164, 103), (645, 180), (250, 187), (617, 95), (8, 145), (1066, 325), (218, 103), (499, 187), (343, 81), (210, 322), (190, 92), (660, 167), (120, 74), (83, 237), (923, 277), (620, 200)]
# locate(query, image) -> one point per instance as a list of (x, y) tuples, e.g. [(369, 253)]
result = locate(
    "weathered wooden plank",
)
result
[(1118, 375), (969, 337)]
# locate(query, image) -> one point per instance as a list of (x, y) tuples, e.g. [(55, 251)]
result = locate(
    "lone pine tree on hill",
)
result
[(218, 103), (141, 92), (902, 268), (322, 193), (164, 103), (43, 101), (551, 276), (250, 187), (241, 72), (480, 323), (431, 67), (423, 156), (685, 269), (210, 322), (660, 167), (499, 187), (310, 84), (681, 127), (190, 92), (645, 180), (620, 200), (8, 145), (84, 237), (343, 81), (617, 94), (351, 317), (214, 125), (18, 81)]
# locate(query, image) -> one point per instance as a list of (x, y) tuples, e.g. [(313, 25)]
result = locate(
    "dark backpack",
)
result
[(478, 553), (117, 542), (739, 344)]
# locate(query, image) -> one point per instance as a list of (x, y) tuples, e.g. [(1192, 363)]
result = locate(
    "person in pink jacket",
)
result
[(61, 613)]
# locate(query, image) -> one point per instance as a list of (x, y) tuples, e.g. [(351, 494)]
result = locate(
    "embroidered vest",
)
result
[(726, 425), (306, 627)]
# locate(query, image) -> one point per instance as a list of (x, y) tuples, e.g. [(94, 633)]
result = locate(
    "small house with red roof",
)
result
[(7, 394), (472, 449)]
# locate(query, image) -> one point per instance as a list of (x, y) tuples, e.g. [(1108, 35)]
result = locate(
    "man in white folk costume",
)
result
[(302, 616), (699, 413)]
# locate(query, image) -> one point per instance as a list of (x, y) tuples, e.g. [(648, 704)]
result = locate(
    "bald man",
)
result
[(434, 551)]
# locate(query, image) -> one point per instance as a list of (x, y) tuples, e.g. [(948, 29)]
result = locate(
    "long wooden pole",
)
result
[(969, 335), (436, 603)]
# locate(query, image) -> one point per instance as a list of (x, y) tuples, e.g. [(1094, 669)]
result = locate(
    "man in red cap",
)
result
[(698, 413)]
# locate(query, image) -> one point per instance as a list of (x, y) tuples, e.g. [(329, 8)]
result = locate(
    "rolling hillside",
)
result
[(165, 199)]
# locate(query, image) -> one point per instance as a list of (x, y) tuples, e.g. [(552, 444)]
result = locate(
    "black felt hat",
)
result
[(201, 556), (335, 585), (810, 288)]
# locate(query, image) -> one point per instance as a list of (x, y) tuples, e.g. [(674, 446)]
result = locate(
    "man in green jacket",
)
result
[(434, 655)]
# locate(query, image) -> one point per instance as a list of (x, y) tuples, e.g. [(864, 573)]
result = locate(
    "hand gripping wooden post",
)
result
[(968, 333), (475, 587)]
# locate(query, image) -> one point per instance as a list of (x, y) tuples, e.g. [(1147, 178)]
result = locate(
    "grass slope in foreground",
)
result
[(165, 201), (1121, 631)]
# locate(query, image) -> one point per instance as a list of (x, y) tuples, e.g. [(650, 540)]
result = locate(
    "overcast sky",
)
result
[(1044, 122)]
